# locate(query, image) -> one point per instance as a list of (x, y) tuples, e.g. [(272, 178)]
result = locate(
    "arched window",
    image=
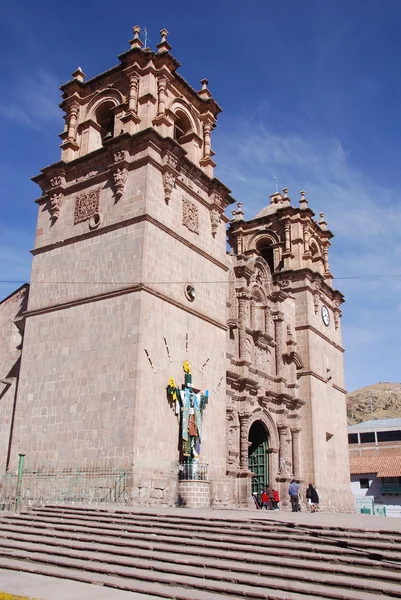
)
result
[(182, 126), (265, 249), (314, 249), (105, 118)]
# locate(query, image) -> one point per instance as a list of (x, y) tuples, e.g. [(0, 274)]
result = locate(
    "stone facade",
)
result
[(129, 220)]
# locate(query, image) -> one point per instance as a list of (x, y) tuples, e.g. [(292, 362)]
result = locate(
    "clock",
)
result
[(325, 315)]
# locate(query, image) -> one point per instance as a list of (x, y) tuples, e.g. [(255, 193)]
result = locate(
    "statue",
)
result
[(189, 406)]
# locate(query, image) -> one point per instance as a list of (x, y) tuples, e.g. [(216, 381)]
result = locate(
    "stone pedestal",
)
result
[(194, 493)]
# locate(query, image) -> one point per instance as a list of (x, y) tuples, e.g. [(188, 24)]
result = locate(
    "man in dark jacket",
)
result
[(313, 498), (293, 490)]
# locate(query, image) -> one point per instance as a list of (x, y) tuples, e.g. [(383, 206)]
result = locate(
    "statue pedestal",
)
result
[(194, 493)]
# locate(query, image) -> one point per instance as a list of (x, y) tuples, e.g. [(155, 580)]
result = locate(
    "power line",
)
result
[(19, 281)]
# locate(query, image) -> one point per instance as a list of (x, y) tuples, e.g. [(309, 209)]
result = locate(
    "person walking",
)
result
[(265, 499), (293, 491), (313, 498), (275, 500)]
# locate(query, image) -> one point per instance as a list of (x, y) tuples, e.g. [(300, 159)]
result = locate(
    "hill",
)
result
[(377, 401)]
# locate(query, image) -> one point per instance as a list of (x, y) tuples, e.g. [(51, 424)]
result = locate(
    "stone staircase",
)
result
[(186, 557)]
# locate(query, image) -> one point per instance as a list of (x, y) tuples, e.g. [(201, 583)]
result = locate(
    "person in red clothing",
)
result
[(275, 500), (265, 499)]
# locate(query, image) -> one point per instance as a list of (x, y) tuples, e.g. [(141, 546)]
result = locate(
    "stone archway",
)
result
[(258, 456)]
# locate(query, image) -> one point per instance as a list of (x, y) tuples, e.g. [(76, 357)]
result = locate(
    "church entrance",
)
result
[(258, 458)]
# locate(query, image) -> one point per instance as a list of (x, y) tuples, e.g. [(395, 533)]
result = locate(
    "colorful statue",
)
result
[(192, 406)]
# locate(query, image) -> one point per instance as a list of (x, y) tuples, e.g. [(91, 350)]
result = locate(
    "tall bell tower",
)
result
[(128, 276)]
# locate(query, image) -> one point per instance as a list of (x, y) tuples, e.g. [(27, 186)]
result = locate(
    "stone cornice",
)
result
[(320, 378), (122, 292), (120, 225)]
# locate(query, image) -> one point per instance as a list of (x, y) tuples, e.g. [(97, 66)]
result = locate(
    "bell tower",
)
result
[(286, 373), (128, 276)]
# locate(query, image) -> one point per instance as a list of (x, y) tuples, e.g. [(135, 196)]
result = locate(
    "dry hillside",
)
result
[(377, 401)]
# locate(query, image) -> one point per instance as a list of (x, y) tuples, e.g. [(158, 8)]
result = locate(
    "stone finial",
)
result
[(163, 45), (238, 215), (303, 201), (204, 92), (79, 75), (285, 192), (136, 42), (322, 222)]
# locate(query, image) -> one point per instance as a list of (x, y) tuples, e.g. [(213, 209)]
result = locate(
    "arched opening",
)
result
[(105, 118), (258, 458), (182, 126), (266, 251)]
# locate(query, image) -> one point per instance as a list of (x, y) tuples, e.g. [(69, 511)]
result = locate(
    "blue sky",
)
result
[(311, 94)]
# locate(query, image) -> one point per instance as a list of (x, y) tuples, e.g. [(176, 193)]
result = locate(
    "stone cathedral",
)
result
[(136, 312)]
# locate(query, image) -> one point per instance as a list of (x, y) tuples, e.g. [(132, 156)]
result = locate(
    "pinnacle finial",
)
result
[(322, 222), (136, 42), (204, 92), (303, 201), (163, 45), (79, 75)]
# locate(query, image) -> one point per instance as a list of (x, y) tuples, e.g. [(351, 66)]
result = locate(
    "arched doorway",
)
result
[(258, 458)]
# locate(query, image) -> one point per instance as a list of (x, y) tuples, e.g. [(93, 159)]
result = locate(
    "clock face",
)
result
[(325, 315)]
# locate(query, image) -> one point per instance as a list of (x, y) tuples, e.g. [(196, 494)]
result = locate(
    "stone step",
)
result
[(188, 521), (70, 538), (253, 546), (377, 546), (252, 588), (222, 569)]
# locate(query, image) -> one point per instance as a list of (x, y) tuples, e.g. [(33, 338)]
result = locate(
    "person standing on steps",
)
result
[(293, 491), (313, 498)]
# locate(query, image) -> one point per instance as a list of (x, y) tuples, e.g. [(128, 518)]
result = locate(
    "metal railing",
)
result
[(61, 482), (193, 471)]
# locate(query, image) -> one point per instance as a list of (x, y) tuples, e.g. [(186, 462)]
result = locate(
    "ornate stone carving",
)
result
[(73, 111), (120, 177), (86, 205), (214, 220), (171, 160), (244, 421), (120, 155), (56, 200), (190, 215), (279, 334), (295, 451), (56, 181), (262, 357), (217, 199), (168, 184)]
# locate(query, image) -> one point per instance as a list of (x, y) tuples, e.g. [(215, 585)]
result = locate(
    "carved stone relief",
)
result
[(190, 215), (56, 201), (214, 220), (86, 205), (120, 177)]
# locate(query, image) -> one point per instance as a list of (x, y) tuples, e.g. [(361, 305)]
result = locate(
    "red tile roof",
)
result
[(384, 466)]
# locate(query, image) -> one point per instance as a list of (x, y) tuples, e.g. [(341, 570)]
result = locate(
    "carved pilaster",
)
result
[(244, 426), (133, 93), (242, 300), (295, 452), (282, 432), (307, 253), (287, 240), (170, 174), (252, 313), (207, 126), (162, 90), (73, 111), (279, 335)]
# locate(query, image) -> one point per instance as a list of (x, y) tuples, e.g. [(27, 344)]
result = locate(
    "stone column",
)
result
[(206, 138), (295, 452), (72, 123), (287, 242), (326, 259), (162, 88), (282, 432), (244, 421), (242, 299), (279, 334), (306, 238), (252, 313), (133, 93)]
